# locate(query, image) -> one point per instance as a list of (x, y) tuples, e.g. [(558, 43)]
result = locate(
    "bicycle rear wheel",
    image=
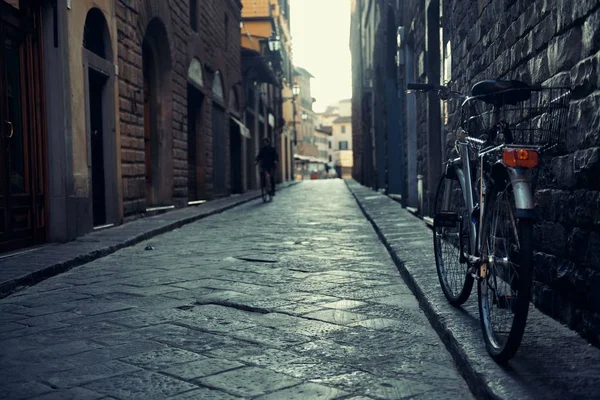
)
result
[(265, 188), (451, 238), (505, 284)]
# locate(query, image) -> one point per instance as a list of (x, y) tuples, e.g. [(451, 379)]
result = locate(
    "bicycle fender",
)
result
[(521, 185)]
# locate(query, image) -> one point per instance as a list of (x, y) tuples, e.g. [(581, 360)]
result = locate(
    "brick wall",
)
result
[(551, 42), (216, 52), (555, 42)]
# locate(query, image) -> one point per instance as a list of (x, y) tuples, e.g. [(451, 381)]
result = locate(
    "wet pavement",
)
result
[(553, 362), (295, 299)]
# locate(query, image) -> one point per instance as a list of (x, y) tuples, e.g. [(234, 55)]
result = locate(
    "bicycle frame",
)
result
[(519, 177), (519, 180)]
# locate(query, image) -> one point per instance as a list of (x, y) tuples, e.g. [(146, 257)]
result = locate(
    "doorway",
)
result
[(22, 180), (196, 172), (99, 86), (219, 152), (235, 154), (158, 118), (96, 82)]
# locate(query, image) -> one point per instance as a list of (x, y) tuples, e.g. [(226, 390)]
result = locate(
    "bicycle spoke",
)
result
[(449, 242), (500, 287)]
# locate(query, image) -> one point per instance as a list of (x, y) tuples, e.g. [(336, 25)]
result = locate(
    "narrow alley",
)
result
[(294, 299)]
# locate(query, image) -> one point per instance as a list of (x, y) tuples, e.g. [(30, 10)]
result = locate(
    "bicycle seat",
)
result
[(501, 92)]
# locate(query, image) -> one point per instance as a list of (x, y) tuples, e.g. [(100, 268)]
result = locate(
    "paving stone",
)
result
[(343, 304), (204, 394), (135, 319), (11, 326), (89, 373), (208, 324), (32, 332), (546, 342), (296, 309), (306, 327), (337, 316), (403, 300), (23, 390), (44, 309), (271, 336), (249, 381), (359, 398), (164, 312), (201, 368), (271, 358), (61, 350), (312, 368), (380, 387), (110, 353), (305, 391), (379, 323), (141, 385), (70, 394)]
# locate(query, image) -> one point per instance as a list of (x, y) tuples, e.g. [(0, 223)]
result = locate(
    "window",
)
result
[(343, 128), (329, 144), (330, 159), (217, 88), (194, 15), (344, 145)]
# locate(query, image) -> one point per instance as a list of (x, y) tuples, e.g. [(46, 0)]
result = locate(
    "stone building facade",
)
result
[(268, 80), (555, 43), (179, 63), (127, 108)]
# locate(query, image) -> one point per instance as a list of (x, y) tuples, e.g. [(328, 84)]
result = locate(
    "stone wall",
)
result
[(554, 42), (216, 53)]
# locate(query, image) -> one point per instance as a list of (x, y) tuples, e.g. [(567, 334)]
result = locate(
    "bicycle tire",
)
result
[(265, 188), (453, 275), (513, 276)]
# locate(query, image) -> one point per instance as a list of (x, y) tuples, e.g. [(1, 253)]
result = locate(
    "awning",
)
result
[(254, 60), (243, 130)]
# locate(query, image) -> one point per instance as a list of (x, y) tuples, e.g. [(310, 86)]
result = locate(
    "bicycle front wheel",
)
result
[(505, 277), (451, 240)]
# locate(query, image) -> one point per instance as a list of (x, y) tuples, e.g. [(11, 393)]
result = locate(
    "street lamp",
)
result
[(296, 89), (274, 43)]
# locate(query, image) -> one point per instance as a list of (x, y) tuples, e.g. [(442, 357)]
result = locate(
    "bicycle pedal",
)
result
[(473, 271)]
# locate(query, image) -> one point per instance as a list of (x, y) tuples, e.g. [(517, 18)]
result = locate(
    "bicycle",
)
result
[(267, 191), (484, 207)]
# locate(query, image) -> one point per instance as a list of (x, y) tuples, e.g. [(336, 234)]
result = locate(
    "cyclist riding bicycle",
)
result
[(267, 159)]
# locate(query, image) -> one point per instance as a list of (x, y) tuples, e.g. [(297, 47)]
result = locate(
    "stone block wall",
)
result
[(413, 19), (216, 45)]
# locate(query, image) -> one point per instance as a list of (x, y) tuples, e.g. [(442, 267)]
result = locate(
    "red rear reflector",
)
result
[(520, 158)]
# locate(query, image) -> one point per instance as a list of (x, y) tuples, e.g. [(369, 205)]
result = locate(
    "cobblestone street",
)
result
[(296, 299)]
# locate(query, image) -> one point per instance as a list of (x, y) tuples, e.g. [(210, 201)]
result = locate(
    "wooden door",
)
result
[(22, 182)]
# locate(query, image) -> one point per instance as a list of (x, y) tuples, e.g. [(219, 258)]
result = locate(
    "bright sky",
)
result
[(320, 39)]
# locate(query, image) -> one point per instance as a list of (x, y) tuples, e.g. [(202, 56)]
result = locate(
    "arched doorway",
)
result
[(195, 134), (219, 138), (158, 138), (235, 145), (99, 81)]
